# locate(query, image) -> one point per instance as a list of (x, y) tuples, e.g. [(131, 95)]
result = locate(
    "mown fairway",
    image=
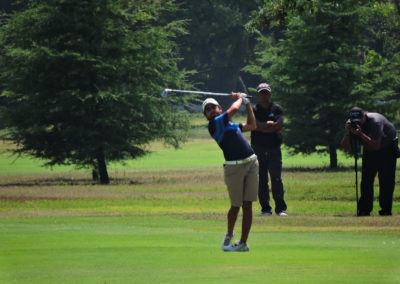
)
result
[(162, 220)]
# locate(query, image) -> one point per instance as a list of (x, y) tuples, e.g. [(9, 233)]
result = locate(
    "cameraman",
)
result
[(380, 150)]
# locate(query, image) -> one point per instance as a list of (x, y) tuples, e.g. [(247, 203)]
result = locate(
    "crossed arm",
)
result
[(269, 126)]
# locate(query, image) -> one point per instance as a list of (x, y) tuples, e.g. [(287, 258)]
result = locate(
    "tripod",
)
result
[(354, 149)]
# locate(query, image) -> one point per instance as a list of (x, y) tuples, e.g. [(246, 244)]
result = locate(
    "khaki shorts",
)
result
[(242, 182)]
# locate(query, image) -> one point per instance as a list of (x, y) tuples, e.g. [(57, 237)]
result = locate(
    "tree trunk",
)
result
[(396, 3), (333, 157), (102, 167), (95, 175)]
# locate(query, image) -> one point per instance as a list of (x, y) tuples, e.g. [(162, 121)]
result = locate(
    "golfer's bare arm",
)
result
[(251, 123), (234, 108), (251, 120)]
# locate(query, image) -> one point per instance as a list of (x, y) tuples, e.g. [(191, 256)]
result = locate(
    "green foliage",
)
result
[(273, 14), (217, 44), (83, 79), (379, 89), (312, 71)]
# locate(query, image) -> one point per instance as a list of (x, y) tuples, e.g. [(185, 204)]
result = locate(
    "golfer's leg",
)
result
[(232, 216), (233, 179), (247, 220)]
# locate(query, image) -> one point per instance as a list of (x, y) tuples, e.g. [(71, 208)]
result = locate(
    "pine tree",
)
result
[(313, 70), (83, 80)]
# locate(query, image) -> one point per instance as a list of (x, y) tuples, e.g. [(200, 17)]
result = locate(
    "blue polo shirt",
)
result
[(229, 138)]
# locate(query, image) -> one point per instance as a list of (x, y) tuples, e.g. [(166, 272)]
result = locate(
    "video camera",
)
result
[(356, 115), (355, 123)]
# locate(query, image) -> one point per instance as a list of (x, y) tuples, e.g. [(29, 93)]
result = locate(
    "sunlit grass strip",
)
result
[(196, 153), (154, 249)]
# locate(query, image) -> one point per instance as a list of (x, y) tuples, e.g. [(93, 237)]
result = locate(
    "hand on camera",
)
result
[(355, 129)]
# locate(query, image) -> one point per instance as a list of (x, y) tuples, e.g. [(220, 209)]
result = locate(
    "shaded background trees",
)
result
[(319, 61), (82, 79), (217, 46)]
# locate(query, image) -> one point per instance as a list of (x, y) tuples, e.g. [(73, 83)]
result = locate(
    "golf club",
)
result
[(166, 91)]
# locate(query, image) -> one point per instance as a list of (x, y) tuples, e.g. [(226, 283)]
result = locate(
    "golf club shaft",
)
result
[(197, 92)]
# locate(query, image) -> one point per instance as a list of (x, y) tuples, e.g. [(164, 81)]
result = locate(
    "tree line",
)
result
[(81, 80)]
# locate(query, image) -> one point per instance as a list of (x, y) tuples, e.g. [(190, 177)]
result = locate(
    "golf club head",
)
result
[(164, 93)]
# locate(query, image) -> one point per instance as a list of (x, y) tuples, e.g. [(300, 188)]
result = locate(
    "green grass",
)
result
[(180, 249), (200, 151), (197, 152), (163, 217)]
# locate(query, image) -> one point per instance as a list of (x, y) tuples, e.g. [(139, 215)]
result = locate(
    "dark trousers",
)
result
[(270, 162), (382, 162)]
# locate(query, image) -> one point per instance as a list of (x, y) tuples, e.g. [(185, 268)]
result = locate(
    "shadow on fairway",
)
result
[(66, 182), (318, 169)]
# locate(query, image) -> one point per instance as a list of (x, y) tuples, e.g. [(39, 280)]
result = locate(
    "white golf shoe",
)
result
[(238, 247), (226, 243)]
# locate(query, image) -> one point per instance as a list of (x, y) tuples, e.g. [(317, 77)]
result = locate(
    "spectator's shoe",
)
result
[(282, 214), (362, 214), (385, 213), (266, 213), (226, 243), (238, 247)]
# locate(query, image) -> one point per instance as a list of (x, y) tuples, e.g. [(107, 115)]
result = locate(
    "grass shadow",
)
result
[(318, 169), (61, 181)]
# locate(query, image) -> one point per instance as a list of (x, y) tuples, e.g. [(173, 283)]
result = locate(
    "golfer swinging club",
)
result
[(240, 167)]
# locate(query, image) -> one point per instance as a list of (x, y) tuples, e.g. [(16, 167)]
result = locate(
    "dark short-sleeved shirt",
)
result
[(377, 126), (274, 112), (229, 138)]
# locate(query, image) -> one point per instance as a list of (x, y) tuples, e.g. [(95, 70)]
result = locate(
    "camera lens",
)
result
[(354, 124)]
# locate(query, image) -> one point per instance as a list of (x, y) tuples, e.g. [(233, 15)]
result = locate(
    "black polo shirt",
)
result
[(274, 112), (377, 127)]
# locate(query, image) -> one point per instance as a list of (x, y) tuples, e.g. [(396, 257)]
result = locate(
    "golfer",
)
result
[(240, 167), (380, 151)]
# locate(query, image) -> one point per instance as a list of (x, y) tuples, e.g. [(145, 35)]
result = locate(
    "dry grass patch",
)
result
[(20, 194), (201, 175)]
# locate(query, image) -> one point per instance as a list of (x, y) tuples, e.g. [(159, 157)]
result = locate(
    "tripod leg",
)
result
[(356, 170), (354, 146)]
